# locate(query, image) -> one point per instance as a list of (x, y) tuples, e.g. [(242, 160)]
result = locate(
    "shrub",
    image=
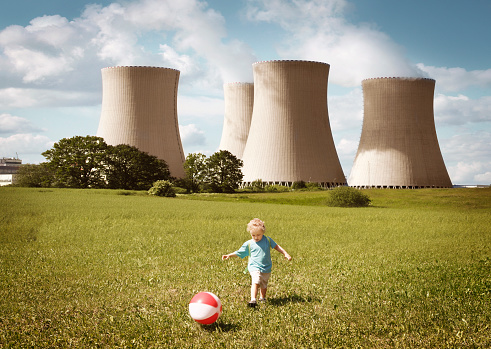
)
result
[(313, 186), (299, 185), (162, 188), (347, 197), (257, 185), (276, 188), (180, 190)]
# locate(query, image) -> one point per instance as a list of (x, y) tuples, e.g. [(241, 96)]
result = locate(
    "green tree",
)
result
[(31, 175), (224, 172), (131, 169), (78, 162), (195, 169)]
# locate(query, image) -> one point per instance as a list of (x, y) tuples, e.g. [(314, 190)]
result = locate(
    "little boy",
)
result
[(259, 266)]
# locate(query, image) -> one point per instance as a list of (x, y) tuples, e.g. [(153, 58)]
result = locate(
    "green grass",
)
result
[(96, 268)]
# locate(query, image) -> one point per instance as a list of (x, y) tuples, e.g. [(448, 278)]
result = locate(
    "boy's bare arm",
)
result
[(227, 256), (283, 252)]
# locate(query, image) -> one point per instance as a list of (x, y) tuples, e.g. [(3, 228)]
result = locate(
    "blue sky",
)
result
[(51, 53)]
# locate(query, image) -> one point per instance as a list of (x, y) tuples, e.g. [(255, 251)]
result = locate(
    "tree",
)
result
[(224, 171), (38, 176), (78, 162), (195, 169), (131, 169)]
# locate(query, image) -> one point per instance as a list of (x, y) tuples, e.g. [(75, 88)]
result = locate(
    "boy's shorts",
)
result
[(260, 278)]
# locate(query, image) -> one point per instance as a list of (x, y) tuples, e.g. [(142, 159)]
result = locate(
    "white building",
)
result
[(8, 169)]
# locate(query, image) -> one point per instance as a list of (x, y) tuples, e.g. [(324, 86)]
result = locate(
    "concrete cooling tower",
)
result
[(239, 101), (398, 144), (139, 108), (290, 137)]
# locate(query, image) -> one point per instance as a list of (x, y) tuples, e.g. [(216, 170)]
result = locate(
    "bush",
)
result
[(299, 185), (347, 197), (276, 188), (313, 186), (162, 188), (257, 185)]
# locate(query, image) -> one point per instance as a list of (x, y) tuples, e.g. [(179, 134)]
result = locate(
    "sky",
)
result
[(51, 54)]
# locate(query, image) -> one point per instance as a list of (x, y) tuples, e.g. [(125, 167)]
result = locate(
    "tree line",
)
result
[(89, 162)]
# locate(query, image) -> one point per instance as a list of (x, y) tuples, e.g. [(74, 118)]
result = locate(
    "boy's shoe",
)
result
[(262, 300), (252, 304)]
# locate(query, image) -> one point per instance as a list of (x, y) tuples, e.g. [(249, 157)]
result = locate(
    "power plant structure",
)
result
[(139, 108), (398, 145), (239, 102), (290, 136)]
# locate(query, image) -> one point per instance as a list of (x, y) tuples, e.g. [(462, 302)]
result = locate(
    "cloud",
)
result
[(457, 79), (472, 172), (346, 111), (54, 53), (472, 146), (347, 147), (191, 135), (461, 110), (200, 29), (45, 50), (318, 30), (207, 108), (24, 144), (34, 98), (14, 124)]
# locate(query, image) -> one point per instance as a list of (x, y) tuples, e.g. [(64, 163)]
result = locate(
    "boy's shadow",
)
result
[(295, 298)]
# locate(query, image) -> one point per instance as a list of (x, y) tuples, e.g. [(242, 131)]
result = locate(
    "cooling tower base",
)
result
[(398, 187), (325, 185)]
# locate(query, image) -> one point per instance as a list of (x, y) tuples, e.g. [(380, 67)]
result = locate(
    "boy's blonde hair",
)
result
[(256, 224)]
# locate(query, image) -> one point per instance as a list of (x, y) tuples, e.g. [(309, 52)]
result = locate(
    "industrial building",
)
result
[(139, 108), (290, 136), (8, 170), (239, 102), (398, 145)]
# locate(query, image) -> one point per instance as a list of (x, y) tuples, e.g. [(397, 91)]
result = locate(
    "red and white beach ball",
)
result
[(205, 308)]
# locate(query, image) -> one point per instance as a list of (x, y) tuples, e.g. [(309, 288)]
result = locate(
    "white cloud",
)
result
[(15, 124), (474, 148), (457, 79), (346, 111), (461, 110), (68, 55), (200, 108), (317, 30), (472, 172), (191, 135), (473, 145), (347, 147), (24, 145), (182, 62), (33, 98)]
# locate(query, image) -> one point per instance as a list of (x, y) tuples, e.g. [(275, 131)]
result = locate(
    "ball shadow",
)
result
[(220, 327)]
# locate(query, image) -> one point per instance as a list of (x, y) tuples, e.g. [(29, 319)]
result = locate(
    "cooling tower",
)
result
[(398, 144), (239, 100), (139, 108), (290, 137)]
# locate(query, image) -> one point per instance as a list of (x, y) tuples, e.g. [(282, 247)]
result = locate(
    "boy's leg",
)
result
[(263, 292), (254, 289)]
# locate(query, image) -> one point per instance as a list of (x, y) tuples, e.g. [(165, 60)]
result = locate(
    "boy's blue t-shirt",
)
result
[(260, 254)]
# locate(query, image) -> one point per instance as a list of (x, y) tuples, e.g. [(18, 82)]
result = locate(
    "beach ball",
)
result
[(205, 308)]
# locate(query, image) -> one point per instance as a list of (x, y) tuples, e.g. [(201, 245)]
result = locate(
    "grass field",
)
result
[(97, 268)]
